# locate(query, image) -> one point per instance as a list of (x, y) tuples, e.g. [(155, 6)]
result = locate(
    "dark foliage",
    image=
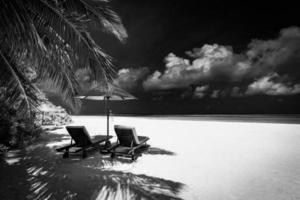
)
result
[(50, 38)]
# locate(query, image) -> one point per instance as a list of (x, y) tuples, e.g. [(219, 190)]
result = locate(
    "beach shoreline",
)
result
[(255, 118)]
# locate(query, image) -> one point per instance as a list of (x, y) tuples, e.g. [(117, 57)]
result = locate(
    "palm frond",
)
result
[(17, 28), (59, 75), (52, 36), (19, 89), (101, 13), (72, 29)]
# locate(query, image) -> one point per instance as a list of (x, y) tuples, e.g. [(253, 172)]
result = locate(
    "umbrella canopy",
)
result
[(109, 92)]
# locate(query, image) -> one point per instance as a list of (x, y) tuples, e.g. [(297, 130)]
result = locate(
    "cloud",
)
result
[(200, 91), (236, 92), (211, 63), (215, 94), (268, 85), (281, 55), (131, 78), (217, 65), (176, 75), (270, 67)]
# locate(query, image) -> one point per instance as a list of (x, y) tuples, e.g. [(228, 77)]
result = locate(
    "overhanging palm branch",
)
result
[(101, 14), (18, 88), (52, 36)]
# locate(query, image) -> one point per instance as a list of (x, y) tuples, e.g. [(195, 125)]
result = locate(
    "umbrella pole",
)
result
[(107, 119), (107, 143)]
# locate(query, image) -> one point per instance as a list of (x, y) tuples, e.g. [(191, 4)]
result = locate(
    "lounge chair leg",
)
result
[(112, 155), (98, 147), (107, 144), (84, 154), (66, 154), (133, 157)]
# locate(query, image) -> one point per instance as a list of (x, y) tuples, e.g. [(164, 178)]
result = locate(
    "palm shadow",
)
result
[(38, 172)]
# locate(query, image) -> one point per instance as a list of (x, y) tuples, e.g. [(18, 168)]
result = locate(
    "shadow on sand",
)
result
[(158, 151), (38, 172)]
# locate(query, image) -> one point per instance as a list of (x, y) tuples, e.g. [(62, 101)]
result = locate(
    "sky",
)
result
[(206, 49)]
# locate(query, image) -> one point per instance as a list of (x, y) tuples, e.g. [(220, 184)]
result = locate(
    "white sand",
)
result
[(216, 160)]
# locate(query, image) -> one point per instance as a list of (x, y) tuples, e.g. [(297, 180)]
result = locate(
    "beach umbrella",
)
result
[(106, 93)]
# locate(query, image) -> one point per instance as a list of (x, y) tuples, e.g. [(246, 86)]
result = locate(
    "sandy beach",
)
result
[(189, 158)]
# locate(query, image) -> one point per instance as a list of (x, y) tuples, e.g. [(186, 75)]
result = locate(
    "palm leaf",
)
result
[(72, 29), (60, 75), (18, 88), (102, 14), (52, 36)]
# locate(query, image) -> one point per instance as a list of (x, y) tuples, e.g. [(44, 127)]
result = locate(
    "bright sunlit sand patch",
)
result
[(214, 160), (12, 157), (189, 158)]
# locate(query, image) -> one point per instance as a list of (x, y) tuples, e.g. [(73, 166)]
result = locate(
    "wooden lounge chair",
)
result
[(82, 141), (128, 144)]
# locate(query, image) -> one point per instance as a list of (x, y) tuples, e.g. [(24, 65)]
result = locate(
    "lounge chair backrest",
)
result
[(127, 136), (80, 135)]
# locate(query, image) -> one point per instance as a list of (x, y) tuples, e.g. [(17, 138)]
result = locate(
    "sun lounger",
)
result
[(128, 144), (82, 141)]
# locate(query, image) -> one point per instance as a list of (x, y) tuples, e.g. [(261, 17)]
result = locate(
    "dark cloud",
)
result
[(281, 55), (131, 79)]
